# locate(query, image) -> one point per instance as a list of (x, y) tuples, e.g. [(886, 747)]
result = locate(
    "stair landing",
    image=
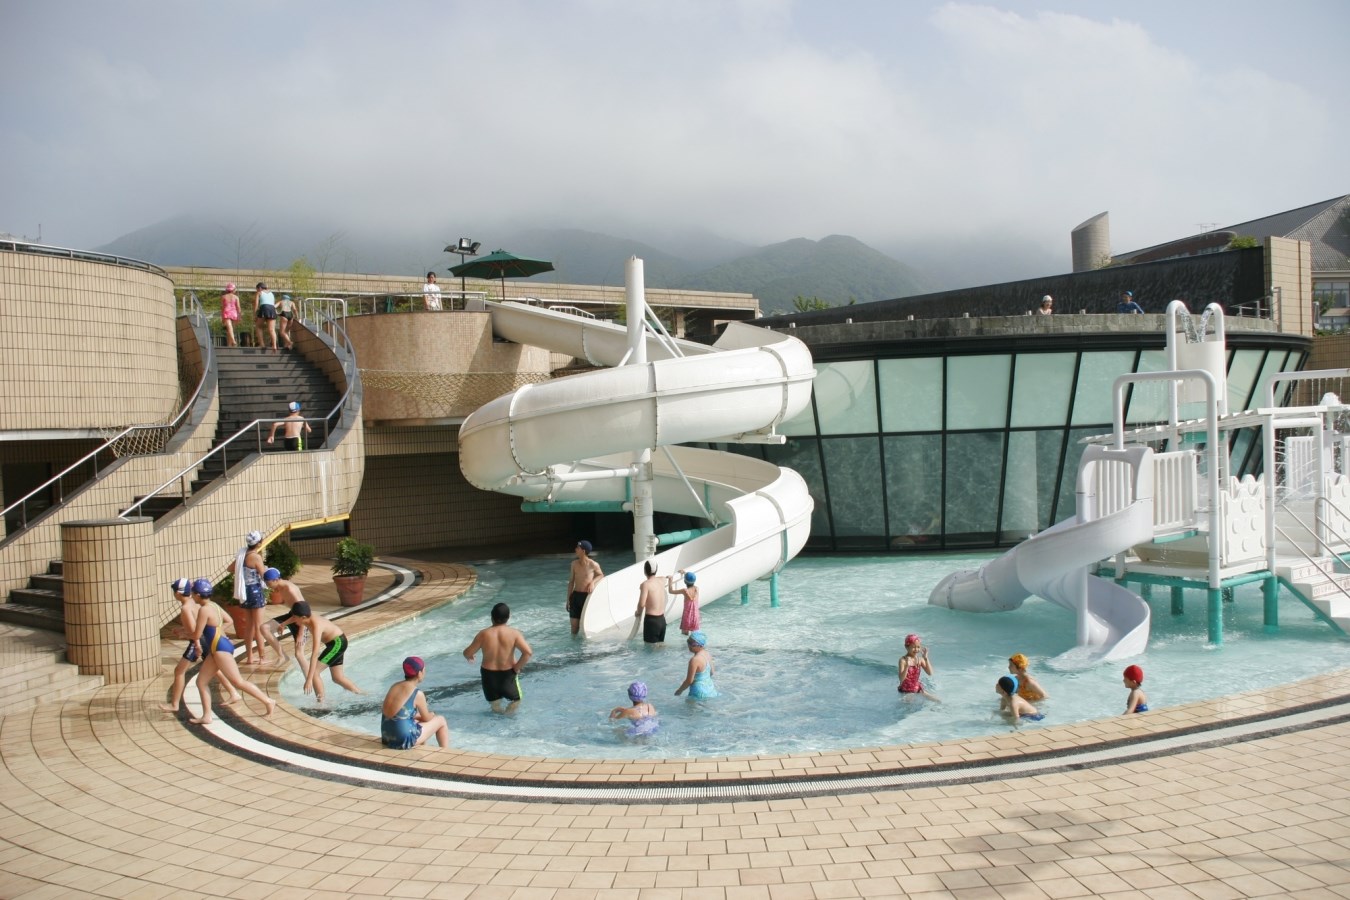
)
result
[(33, 669)]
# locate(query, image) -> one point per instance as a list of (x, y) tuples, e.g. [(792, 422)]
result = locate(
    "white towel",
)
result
[(239, 574)]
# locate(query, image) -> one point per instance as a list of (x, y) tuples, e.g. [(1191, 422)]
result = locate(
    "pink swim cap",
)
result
[(229, 287), (911, 639)]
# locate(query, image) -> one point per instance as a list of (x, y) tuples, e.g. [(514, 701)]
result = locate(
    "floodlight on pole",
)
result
[(465, 248)]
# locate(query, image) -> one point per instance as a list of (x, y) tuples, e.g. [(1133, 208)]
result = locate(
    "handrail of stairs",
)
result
[(321, 319), (191, 308), (1301, 552)]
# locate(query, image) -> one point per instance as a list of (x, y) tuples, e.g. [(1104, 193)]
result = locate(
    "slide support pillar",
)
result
[(745, 595), (644, 526), (773, 590), (1215, 609), (1178, 600), (1270, 592)]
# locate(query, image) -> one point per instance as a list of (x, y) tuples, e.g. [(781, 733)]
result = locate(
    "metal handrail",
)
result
[(320, 320), (188, 301), (1302, 552), (86, 255)]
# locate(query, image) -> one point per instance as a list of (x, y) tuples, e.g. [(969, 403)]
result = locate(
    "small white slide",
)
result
[(1113, 621), (751, 380)]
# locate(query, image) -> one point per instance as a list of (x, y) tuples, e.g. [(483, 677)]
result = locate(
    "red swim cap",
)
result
[(1135, 674)]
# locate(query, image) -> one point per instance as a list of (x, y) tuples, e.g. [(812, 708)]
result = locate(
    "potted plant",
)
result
[(282, 557), (350, 566), (224, 595)]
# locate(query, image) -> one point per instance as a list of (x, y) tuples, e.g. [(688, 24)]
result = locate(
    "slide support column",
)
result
[(644, 527)]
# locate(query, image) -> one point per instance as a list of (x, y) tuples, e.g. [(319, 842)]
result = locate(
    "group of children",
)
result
[(203, 619), (1017, 691)]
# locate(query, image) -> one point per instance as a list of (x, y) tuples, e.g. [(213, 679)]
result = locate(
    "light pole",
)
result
[(466, 247)]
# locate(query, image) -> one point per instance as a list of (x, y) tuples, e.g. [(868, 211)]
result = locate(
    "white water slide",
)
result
[(594, 423), (1112, 621)]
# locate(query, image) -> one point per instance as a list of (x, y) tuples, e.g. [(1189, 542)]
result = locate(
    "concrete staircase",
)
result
[(33, 670), (1322, 587), (256, 384), (40, 605)]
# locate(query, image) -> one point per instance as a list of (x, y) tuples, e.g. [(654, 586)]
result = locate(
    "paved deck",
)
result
[(103, 795)]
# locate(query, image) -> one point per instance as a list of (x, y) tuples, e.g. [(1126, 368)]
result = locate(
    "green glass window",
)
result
[(1149, 403), (1097, 372), (1242, 371), (977, 391), (1029, 488), (973, 478), (846, 397), (914, 488), (1042, 383), (911, 394), (854, 467)]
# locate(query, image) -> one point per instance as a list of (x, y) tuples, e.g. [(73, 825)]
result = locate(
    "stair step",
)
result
[(1338, 586), (77, 684), (41, 597), (33, 617), (56, 567), (48, 582), (1306, 571)]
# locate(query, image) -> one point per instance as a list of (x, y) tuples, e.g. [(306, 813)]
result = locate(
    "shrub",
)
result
[(282, 557), (353, 557)]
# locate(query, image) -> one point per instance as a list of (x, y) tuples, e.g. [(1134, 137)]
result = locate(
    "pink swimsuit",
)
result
[(911, 683), (229, 307), (689, 619)]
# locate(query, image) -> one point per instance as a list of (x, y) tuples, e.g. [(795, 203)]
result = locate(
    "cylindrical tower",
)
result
[(1092, 243)]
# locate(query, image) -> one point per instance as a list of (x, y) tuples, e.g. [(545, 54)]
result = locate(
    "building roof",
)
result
[(1325, 225)]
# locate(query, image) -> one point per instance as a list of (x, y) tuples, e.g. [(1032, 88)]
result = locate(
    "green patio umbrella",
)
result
[(503, 265)]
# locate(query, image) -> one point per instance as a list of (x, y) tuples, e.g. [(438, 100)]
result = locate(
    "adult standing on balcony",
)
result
[(265, 311), (431, 293)]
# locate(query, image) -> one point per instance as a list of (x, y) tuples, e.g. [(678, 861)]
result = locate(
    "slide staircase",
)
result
[(570, 440)]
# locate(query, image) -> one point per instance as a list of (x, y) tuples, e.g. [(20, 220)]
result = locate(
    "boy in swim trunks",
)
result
[(585, 573), (651, 607), (330, 649), (292, 425), (501, 667), (1012, 705), (281, 591), (1137, 701)]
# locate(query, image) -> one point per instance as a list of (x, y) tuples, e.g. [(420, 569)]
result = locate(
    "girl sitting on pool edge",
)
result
[(698, 679)]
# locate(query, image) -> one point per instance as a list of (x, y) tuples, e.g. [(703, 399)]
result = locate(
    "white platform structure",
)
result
[(610, 439), (1157, 506)]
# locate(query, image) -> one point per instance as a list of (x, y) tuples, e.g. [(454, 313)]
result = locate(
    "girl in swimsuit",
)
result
[(217, 653), (1137, 701), (1028, 688), (405, 720), (229, 312), (690, 621), (641, 713), (698, 680), (912, 664)]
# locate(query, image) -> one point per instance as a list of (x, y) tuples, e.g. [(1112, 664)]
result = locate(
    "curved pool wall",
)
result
[(964, 433), (818, 673)]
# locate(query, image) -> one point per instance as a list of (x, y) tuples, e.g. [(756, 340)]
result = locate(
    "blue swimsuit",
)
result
[(401, 731), (702, 688), (214, 641)]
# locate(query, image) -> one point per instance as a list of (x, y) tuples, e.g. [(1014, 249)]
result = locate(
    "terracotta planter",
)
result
[(240, 617), (351, 589)]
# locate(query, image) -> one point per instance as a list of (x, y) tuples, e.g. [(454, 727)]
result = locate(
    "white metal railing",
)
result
[(321, 322), (573, 310), (194, 313), (84, 255)]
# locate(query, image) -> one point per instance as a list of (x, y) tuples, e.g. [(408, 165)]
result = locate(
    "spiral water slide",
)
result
[(572, 439), (1112, 621)]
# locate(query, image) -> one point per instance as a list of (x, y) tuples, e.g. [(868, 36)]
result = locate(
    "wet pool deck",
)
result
[(103, 795)]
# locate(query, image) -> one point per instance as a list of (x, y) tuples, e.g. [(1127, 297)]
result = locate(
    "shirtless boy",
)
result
[(585, 573), (287, 593), (501, 667), (333, 642), (652, 602), (292, 425)]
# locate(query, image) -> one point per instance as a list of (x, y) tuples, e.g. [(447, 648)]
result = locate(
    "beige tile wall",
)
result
[(111, 624), (84, 344), (1289, 268)]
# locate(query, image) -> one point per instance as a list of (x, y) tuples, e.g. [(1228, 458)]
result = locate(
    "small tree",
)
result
[(1243, 242), (303, 282), (808, 304)]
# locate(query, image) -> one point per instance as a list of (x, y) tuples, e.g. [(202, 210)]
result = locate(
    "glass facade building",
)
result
[(963, 443)]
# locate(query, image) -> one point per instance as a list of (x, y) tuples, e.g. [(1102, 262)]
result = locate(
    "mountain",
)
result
[(836, 269)]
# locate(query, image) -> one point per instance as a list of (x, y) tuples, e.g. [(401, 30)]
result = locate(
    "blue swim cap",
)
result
[(271, 575), (1008, 684), (294, 406), (699, 638), (182, 586), (637, 692), (690, 578), (202, 586)]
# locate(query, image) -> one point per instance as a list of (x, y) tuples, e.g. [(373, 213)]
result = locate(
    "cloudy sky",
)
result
[(759, 120)]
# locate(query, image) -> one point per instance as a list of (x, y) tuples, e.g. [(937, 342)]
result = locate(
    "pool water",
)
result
[(818, 673)]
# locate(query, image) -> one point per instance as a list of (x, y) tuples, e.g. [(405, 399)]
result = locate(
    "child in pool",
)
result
[(1137, 701), (698, 679), (912, 665), (690, 621), (1011, 704), (1028, 688), (642, 713)]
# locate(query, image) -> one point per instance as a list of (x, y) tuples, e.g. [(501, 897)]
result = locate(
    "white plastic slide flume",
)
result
[(748, 382), (1113, 621)]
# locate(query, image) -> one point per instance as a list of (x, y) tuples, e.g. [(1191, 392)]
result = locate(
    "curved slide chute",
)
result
[(1113, 621), (543, 441)]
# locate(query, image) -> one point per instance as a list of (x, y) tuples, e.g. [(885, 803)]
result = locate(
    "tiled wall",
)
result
[(416, 501), (427, 366), (111, 624), (84, 344), (1289, 267)]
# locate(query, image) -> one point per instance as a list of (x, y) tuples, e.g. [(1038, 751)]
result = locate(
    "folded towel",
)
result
[(239, 574)]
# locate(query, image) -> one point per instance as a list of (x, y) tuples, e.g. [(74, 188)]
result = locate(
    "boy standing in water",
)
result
[(501, 667), (651, 606), (585, 573)]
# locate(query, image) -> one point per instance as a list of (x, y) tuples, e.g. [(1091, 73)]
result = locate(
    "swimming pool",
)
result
[(818, 673)]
